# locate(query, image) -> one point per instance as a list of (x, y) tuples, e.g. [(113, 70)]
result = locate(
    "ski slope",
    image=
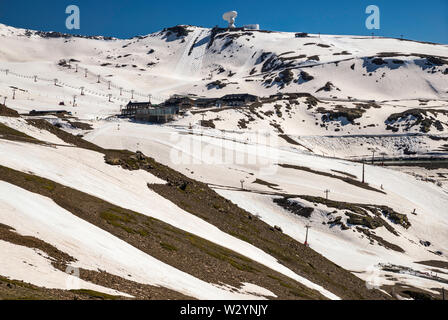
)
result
[(94, 248), (86, 171), (403, 192)]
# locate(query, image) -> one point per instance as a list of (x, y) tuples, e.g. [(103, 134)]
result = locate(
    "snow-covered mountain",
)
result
[(172, 231), (362, 85), (187, 59)]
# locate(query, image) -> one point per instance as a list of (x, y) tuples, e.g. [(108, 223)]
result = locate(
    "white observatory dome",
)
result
[(230, 18)]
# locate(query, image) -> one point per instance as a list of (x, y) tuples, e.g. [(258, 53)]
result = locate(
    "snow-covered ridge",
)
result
[(20, 32), (186, 59)]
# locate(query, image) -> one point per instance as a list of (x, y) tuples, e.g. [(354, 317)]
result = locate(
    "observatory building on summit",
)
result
[(230, 17)]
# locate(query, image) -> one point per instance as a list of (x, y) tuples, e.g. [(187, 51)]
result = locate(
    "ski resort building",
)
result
[(206, 102), (146, 111), (181, 101), (232, 100), (131, 108), (238, 99), (157, 114)]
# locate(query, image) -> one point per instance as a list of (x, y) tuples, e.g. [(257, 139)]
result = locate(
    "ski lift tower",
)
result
[(308, 226)]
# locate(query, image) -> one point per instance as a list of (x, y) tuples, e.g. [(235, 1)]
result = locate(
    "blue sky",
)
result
[(417, 20)]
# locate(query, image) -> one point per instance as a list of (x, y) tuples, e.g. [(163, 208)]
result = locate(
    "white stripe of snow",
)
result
[(32, 266), (21, 125)]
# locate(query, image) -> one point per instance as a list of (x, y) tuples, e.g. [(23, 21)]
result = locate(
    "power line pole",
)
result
[(132, 94), (85, 73), (363, 172), (242, 184), (327, 192), (82, 91), (98, 79), (74, 101), (4, 101), (373, 156), (121, 91), (306, 237), (14, 93), (108, 84)]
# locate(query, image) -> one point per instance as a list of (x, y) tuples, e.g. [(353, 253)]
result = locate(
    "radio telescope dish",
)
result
[(230, 18)]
